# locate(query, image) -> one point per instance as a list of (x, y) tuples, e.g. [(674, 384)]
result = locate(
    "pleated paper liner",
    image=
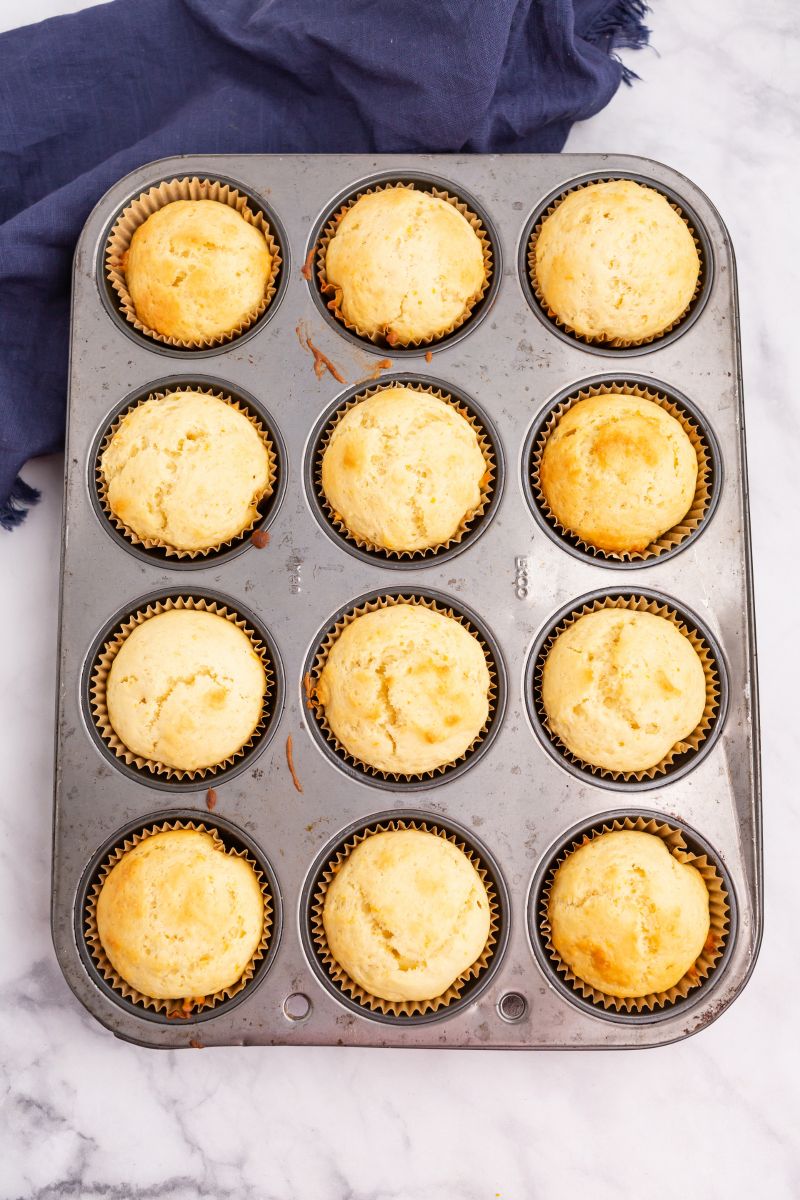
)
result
[(690, 744), (137, 212), (102, 666), (179, 1007), (399, 1008), (705, 474), (618, 343), (154, 543), (468, 522), (334, 292), (719, 908), (321, 658)]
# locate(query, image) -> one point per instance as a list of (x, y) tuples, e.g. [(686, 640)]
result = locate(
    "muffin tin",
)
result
[(515, 799)]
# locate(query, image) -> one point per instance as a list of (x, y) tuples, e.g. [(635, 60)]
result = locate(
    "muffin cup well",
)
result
[(703, 496), (329, 289), (318, 710), (402, 1009), (142, 207), (712, 668), (99, 678), (719, 909), (153, 543), (468, 523), (615, 343), (177, 1008)]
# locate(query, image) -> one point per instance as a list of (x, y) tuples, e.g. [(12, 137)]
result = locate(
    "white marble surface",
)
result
[(87, 1116)]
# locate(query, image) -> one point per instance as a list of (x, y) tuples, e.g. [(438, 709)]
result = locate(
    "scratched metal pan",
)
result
[(516, 800)]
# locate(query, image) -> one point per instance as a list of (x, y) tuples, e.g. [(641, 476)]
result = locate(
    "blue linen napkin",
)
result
[(88, 97)]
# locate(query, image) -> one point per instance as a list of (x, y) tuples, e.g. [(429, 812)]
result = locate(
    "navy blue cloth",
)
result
[(88, 97)]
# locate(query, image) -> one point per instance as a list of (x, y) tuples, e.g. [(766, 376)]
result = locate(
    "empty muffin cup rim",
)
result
[(401, 1011), (722, 914), (425, 598), (331, 294), (160, 393), (707, 485), (469, 524), (107, 651), (171, 1008), (634, 600), (684, 211), (157, 196)]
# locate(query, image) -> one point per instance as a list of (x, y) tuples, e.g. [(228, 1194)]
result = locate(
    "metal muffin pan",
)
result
[(515, 800)]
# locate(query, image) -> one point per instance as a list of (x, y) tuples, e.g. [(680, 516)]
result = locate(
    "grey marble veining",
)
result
[(86, 1116)]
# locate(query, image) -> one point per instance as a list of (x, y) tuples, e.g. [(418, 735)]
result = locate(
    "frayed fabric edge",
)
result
[(20, 501), (620, 27)]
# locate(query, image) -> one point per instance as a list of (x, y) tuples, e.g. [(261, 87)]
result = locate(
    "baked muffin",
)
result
[(196, 269), (618, 471), (626, 917), (406, 265), (186, 689), (406, 915), (615, 262), (621, 688), (178, 917), (187, 471), (403, 470), (405, 689)]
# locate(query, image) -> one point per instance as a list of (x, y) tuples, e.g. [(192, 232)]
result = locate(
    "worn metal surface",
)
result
[(516, 798)]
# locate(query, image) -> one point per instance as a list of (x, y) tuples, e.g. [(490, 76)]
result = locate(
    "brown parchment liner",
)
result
[(702, 497), (155, 543), (176, 1007), (335, 294), (322, 656), (486, 488), (399, 1008), (619, 343), (102, 666), (719, 911), (143, 207), (710, 668)]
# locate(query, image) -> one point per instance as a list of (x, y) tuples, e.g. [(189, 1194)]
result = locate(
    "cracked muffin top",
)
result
[(403, 470), (186, 471), (615, 262), (621, 688), (618, 471), (405, 689), (196, 270), (406, 265), (406, 915), (179, 917), (626, 916), (185, 689)]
